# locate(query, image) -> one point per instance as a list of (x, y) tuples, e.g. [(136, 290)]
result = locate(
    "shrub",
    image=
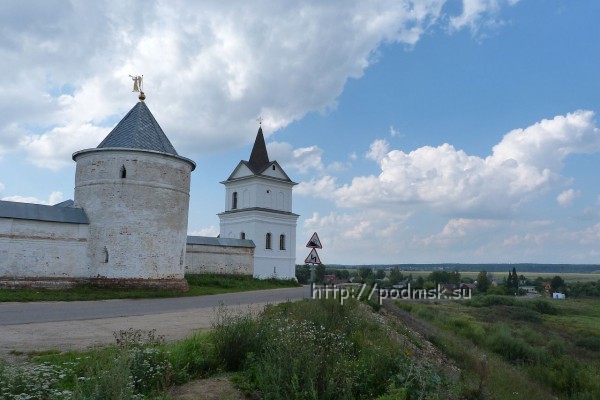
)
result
[(235, 336), (321, 349), (544, 307), (513, 349), (525, 314), (193, 357), (589, 342)]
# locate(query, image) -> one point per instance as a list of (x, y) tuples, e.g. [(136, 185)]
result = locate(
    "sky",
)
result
[(424, 131)]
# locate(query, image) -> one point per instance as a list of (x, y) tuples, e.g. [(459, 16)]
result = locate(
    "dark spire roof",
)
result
[(139, 130), (259, 158)]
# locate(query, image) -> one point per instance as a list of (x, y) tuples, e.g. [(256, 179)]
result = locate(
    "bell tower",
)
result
[(258, 206)]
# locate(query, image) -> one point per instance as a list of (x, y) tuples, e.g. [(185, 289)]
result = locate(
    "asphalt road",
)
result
[(26, 327), (36, 312)]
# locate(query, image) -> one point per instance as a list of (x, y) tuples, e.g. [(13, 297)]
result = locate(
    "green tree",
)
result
[(444, 277), (512, 283), (303, 274), (395, 276), (320, 272), (342, 274), (380, 274), (365, 272), (557, 284), (483, 282), (419, 282)]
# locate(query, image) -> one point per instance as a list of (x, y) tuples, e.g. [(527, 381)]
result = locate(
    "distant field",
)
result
[(568, 277)]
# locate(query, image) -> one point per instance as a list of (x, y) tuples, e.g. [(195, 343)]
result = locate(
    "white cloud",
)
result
[(356, 233), (378, 150), (474, 11), (395, 132), (458, 229), (53, 198), (590, 235), (53, 149), (301, 159), (525, 163), (209, 67), (211, 231), (1, 186), (566, 197), (323, 187)]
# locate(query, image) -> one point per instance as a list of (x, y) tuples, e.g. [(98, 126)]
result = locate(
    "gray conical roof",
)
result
[(138, 130), (259, 158)]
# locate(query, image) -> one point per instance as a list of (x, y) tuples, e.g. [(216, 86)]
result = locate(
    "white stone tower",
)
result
[(258, 207), (134, 188)]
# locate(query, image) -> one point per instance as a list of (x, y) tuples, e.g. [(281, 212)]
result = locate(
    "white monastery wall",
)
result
[(41, 249), (207, 259)]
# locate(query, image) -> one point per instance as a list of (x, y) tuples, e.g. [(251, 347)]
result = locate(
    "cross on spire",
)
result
[(260, 121)]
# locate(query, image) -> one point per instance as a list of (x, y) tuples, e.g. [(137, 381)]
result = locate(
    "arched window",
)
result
[(273, 167), (268, 241), (281, 242), (123, 172), (243, 235), (234, 201)]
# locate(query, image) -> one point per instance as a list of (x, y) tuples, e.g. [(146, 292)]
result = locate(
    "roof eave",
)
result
[(123, 149)]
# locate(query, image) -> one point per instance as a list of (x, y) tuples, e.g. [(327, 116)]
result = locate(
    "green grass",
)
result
[(315, 349), (550, 347), (199, 285)]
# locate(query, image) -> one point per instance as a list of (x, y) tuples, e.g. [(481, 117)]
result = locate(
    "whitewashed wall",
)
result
[(40, 249), (141, 219), (208, 259)]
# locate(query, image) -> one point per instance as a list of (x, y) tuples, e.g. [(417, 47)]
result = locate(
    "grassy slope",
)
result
[(517, 351), (199, 285)]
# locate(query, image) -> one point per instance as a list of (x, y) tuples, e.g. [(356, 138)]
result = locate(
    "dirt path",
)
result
[(219, 388)]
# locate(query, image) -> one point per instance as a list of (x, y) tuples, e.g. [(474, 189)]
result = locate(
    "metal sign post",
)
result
[(313, 259)]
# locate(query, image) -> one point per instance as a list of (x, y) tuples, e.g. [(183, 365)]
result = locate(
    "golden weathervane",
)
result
[(138, 85)]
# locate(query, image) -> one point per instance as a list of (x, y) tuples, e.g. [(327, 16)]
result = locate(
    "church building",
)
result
[(258, 207), (127, 225)]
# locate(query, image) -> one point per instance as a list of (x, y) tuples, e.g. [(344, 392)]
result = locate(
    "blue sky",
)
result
[(459, 131)]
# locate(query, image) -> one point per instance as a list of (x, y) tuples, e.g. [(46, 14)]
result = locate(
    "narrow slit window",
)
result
[(123, 172), (243, 235), (281, 242), (105, 255), (273, 168), (234, 201), (268, 241)]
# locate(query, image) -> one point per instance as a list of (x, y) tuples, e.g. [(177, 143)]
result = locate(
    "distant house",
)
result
[(558, 296), (528, 289), (468, 286), (448, 287)]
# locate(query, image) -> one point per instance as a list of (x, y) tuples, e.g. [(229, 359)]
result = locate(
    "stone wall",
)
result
[(219, 256), (137, 203), (43, 251)]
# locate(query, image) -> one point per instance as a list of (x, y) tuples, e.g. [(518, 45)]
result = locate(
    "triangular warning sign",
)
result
[(314, 242), (313, 258)]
